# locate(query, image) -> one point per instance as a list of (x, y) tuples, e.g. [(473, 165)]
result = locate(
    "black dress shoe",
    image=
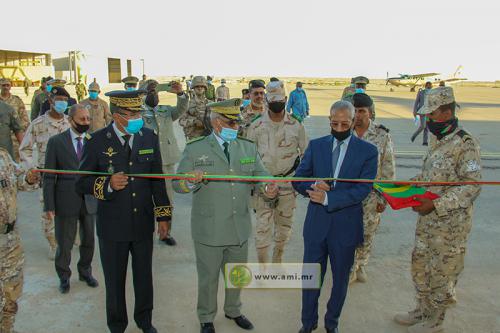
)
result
[(64, 286), (89, 279), (169, 240), (207, 328), (308, 330), (242, 322), (150, 330), (332, 330)]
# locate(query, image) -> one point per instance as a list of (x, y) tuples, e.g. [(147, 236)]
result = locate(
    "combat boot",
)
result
[(361, 274), (432, 324), (409, 318)]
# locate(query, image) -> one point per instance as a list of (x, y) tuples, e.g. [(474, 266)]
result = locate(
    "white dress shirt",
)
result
[(343, 150), (74, 140), (120, 135)]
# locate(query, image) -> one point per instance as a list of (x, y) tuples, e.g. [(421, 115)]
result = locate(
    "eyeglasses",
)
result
[(257, 93)]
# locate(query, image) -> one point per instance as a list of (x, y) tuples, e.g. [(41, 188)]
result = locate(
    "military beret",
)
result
[(245, 91), (59, 91), (257, 84), (274, 79), (361, 100), (126, 99)]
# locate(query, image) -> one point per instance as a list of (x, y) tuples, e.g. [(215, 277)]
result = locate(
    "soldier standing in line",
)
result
[(194, 122)]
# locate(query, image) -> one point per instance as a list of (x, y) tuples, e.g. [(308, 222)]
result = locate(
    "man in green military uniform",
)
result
[(220, 216), (160, 118), (81, 91), (39, 97), (130, 82), (210, 92)]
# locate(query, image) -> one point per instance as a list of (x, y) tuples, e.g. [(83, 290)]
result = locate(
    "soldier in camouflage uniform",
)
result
[(222, 92), (11, 252), (100, 116), (160, 119), (444, 224), (256, 107), (81, 91), (281, 140), (358, 85), (17, 103), (210, 93), (35, 140), (374, 204), (193, 122)]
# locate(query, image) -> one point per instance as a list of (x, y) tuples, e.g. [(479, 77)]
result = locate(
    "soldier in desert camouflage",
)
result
[(193, 122), (281, 140), (444, 224), (12, 179), (256, 107), (374, 204)]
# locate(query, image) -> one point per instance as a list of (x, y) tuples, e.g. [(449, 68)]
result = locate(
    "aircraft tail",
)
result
[(458, 72)]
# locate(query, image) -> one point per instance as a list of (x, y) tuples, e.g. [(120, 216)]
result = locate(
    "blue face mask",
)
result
[(228, 134), (131, 88), (93, 94), (299, 89), (246, 102), (360, 91), (60, 106), (48, 87), (209, 81), (134, 125)]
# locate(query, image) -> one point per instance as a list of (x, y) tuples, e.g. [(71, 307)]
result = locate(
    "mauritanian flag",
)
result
[(403, 196)]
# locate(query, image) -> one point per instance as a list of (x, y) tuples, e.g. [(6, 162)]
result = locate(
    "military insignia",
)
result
[(247, 160), (203, 158), (140, 133), (145, 151), (108, 135), (110, 152), (88, 136), (111, 169), (472, 166)]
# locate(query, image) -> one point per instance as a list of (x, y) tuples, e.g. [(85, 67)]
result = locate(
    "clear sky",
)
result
[(316, 38)]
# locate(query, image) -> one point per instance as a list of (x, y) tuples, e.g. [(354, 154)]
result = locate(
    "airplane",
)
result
[(416, 80)]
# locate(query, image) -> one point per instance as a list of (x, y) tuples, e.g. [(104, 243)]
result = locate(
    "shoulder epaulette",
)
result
[(383, 128), (298, 118), (195, 139), (88, 136), (245, 139), (256, 117), (464, 135)]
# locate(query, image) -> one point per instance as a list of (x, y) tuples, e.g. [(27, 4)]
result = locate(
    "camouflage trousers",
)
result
[(438, 259), (47, 225), (371, 221), (11, 278), (15, 148), (274, 223)]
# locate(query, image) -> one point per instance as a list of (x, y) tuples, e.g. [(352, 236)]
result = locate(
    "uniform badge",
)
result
[(108, 135), (472, 166), (247, 160), (111, 169), (146, 151), (203, 158), (110, 152)]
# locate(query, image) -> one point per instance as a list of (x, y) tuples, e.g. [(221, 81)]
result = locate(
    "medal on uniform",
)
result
[(111, 169)]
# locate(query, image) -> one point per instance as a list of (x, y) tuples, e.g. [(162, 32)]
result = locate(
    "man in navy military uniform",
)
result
[(127, 206)]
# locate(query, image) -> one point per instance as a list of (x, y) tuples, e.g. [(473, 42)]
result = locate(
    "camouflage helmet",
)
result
[(199, 81)]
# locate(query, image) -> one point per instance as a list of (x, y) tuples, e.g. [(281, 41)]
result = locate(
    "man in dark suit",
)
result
[(127, 206), (334, 222), (64, 152)]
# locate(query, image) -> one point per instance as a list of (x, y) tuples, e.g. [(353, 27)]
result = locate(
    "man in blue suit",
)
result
[(334, 223)]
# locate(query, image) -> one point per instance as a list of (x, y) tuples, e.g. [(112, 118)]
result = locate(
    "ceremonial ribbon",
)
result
[(268, 179)]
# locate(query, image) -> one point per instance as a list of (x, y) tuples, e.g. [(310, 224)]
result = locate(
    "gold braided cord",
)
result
[(133, 103), (99, 187), (163, 211)]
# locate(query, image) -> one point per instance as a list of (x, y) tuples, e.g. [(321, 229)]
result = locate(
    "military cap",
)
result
[(209, 77), (435, 98), (230, 108), (57, 83), (5, 80), (130, 80), (257, 84), (361, 100), (360, 79), (94, 86), (275, 91), (59, 91), (274, 79), (46, 79), (199, 81), (223, 81), (126, 99)]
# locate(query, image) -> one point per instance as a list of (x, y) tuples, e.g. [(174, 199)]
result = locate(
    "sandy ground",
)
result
[(369, 307)]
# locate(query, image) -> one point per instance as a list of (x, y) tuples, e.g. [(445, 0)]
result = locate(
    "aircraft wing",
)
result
[(423, 75)]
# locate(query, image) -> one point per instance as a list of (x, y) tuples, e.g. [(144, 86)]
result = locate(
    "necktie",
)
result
[(79, 148), (335, 157), (226, 150), (128, 150)]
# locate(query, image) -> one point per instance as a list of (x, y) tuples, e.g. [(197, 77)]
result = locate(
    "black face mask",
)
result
[(81, 128), (277, 107), (152, 100), (341, 136), (442, 128)]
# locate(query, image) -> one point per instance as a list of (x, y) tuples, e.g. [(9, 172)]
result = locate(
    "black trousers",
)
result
[(65, 232), (114, 258)]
